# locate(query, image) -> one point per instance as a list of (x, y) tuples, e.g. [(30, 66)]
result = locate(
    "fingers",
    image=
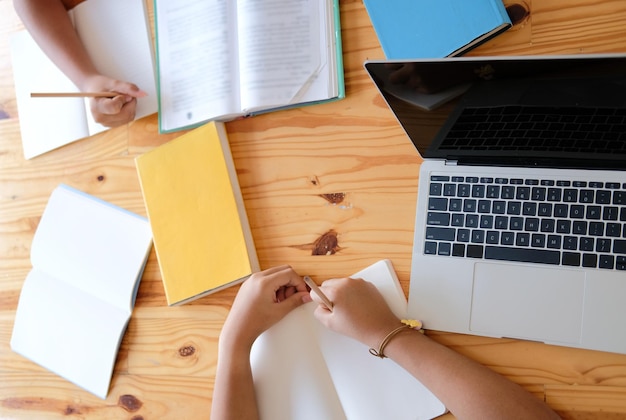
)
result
[(115, 105), (128, 89), (284, 277), (115, 111), (120, 109), (296, 299)]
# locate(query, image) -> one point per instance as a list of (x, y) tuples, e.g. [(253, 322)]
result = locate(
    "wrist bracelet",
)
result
[(406, 323)]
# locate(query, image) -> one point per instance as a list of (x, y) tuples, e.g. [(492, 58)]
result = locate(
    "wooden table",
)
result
[(293, 167)]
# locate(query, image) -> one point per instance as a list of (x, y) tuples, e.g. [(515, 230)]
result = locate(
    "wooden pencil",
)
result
[(74, 94)]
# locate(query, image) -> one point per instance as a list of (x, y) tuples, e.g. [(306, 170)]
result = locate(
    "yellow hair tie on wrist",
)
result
[(407, 323), (413, 323)]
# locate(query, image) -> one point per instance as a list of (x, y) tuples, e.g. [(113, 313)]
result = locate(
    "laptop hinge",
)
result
[(452, 162)]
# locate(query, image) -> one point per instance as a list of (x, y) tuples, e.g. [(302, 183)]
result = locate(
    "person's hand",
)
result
[(359, 310), (263, 299), (116, 111)]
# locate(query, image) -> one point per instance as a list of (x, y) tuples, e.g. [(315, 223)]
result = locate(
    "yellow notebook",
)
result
[(199, 225)]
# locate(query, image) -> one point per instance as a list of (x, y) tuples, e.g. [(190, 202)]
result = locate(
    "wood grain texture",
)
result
[(329, 189)]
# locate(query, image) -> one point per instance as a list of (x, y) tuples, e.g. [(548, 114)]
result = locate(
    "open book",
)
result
[(303, 371), (218, 60), (88, 257), (116, 35)]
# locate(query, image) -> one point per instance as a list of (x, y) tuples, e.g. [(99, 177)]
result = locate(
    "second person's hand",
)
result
[(359, 310), (115, 111)]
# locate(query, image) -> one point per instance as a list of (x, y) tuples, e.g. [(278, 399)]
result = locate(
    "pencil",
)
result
[(318, 292), (74, 94)]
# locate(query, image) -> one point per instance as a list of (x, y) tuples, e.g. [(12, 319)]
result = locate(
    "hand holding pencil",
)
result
[(358, 310), (112, 102)]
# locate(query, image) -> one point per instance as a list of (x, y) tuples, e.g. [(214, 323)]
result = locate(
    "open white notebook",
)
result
[(304, 371), (116, 35), (88, 257)]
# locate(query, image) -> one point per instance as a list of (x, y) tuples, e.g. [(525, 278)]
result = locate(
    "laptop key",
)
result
[(620, 263), (463, 190), (570, 243), (437, 218), (560, 210), (532, 255), (554, 194), (449, 190), (456, 204), (571, 259), (586, 244), (430, 248), (603, 197), (463, 235), (475, 251), (606, 261), (444, 248), (554, 242), (471, 221), (604, 245), (614, 230), (610, 213), (440, 204), (593, 213), (493, 237), (590, 260), (436, 189), (440, 233), (507, 238), (619, 246), (458, 250), (458, 219)]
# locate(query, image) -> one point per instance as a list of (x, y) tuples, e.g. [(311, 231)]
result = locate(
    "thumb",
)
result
[(295, 300), (129, 89)]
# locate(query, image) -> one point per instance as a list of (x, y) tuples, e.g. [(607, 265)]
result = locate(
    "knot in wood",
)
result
[(187, 351), (129, 402)]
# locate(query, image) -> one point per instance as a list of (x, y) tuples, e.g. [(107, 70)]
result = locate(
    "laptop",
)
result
[(520, 226)]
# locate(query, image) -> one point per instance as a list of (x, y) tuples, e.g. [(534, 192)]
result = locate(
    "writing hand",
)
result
[(116, 111), (359, 310), (263, 299)]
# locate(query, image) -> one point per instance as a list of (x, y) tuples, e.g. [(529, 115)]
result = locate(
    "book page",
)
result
[(280, 44), (68, 331), (45, 123), (197, 61), (117, 37), (291, 379), (92, 245), (391, 391)]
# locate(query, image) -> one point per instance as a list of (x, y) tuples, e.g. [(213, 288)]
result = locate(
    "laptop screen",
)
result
[(549, 111)]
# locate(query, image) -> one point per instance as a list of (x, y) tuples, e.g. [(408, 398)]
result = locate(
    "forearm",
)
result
[(468, 389), (50, 26), (234, 396)]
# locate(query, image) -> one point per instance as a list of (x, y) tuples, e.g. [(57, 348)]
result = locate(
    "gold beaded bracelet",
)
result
[(406, 323)]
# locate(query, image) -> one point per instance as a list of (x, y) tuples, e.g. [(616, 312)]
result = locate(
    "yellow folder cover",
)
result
[(199, 224)]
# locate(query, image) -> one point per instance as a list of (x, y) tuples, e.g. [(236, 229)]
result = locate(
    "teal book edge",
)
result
[(409, 29), (341, 85)]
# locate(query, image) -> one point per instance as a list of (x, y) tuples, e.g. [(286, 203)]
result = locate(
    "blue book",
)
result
[(435, 28)]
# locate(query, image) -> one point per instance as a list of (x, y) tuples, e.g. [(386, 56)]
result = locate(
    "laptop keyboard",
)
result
[(545, 221)]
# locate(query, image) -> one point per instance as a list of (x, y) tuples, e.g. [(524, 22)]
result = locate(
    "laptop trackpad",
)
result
[(532, 303)]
